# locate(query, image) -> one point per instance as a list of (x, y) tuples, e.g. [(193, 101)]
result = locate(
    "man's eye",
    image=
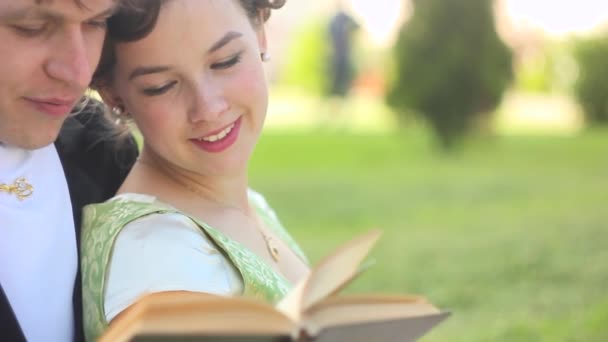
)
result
[(228, 63), (159, 90), (30, 30)]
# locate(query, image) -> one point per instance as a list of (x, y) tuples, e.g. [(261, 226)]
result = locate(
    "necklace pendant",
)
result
[(272, 248), (20, 188)]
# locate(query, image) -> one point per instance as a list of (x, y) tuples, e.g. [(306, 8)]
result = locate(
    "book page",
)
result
[(354, 309), (189, 313), (398, 330), (337, 269), (209, 338), (329, 276), (291, 304)]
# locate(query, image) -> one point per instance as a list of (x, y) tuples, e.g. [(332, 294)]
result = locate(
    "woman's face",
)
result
[(195, 86)]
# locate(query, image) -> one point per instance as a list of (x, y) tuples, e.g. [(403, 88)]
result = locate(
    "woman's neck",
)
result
[(223, 191)]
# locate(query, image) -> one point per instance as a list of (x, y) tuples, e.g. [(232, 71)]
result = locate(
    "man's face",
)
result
[(48, 52)]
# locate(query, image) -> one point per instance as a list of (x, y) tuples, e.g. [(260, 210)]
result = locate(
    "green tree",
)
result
[(591, 88), (305, 66), (450, 66)]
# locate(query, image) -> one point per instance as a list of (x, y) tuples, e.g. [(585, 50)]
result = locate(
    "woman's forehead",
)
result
[(187, 28), (200, 20)]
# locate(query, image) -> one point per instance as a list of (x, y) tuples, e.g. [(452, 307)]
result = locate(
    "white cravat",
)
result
[(38, 257)]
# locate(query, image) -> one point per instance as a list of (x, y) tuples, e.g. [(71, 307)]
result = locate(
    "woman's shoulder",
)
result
[(165, 228), (143, 218), (130, 201), (168, 231), (161, 250), (120, 210)]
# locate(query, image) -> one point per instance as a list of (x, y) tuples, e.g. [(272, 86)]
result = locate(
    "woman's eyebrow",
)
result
[(227, 38), (146, 70)]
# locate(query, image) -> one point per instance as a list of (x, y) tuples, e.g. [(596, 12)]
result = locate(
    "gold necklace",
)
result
[(271, 244), (20, 188)]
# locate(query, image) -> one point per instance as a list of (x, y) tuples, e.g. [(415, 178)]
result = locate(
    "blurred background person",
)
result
[(341, 69)]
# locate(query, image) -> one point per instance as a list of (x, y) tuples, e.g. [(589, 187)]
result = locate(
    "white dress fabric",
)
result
[(170, 253), (38, 255)]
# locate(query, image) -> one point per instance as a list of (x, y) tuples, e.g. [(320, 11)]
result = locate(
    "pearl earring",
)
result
[(116, 110), (120, 115), (265, 56)]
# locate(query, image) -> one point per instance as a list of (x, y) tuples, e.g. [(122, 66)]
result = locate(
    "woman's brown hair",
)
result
[(135, 19)]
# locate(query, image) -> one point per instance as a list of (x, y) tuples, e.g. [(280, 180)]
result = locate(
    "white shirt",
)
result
[(38, 256), (165, 252)]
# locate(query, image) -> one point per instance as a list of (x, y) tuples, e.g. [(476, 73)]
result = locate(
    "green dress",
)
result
[(102, 223)]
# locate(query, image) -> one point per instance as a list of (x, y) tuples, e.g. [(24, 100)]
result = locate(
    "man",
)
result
[(341, 28), (51, 163)]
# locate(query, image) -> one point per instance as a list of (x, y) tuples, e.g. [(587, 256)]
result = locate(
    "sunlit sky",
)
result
[(380, 17), (559, 17), (556, 17)]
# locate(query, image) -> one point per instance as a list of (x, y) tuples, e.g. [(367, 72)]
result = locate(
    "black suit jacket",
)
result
[(96, 158)]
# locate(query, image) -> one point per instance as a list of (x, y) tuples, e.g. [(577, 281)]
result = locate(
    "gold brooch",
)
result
[(20, 188)]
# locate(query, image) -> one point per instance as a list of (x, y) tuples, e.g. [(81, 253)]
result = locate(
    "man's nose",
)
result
[(70, 63)]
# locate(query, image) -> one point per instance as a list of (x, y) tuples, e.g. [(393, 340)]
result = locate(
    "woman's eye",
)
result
[(227, 63), (159, 90), (30, 30)]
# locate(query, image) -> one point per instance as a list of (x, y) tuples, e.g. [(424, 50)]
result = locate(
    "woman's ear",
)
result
[(110, 98)]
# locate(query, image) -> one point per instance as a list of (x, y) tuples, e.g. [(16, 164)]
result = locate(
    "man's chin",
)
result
[(38, 145), (31, 141)]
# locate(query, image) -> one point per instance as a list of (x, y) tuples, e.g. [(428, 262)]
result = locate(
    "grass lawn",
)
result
[(511, 235)]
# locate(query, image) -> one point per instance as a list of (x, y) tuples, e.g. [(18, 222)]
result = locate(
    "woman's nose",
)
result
[(210, 102)]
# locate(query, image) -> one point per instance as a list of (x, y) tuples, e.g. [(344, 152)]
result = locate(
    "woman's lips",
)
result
[(221, 139)]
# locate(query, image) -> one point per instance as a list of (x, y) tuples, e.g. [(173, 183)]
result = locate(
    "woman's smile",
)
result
[(221, 139)]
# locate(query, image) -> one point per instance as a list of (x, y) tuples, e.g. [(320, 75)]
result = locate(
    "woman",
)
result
[(190, 74)]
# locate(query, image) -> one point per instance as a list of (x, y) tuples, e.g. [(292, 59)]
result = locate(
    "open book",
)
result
[(310, 312)]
